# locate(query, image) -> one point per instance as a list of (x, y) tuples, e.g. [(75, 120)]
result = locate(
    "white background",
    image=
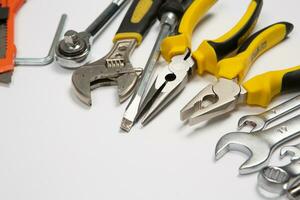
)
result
[(52, 147)]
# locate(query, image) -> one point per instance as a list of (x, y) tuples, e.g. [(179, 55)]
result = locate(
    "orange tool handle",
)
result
[(7, 63)]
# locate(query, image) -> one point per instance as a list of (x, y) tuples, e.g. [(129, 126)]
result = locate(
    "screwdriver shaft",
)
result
[(168, 23)]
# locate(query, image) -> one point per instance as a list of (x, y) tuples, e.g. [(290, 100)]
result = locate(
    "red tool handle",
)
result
[(7, 63)]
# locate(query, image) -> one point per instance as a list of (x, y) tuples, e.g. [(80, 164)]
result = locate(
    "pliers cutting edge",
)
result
[(223, 96), (177, 50)]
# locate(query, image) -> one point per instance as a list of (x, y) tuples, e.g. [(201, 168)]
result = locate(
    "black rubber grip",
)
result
[(4, 14), (147, 20), (173, 6), (225, 48), (291, 81), (247, 43)]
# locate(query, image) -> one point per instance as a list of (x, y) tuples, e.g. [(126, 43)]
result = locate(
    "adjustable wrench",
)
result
[(115, 68), (284, 179), (74, 50), (259, 146), (261, 121)]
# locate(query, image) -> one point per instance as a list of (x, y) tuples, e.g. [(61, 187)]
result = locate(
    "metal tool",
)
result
[(261, 121), (49, 58), (115, 68), (74, 50), (259, 146), (226, 94), (292, 151), (169, 15), (8, 10), (7, 47), (183, 63), (282, 180)]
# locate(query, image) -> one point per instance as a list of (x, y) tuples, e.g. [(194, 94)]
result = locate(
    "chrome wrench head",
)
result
[(292, 151), (74, 50), (113, 69), (279, 180), (259, 146), (261, 121)]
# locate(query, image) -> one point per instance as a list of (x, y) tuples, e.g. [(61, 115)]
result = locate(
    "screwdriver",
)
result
[(169, 16)]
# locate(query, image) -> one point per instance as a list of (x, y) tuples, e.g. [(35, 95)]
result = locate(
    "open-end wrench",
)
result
[(283, 179), (261, 121), (74, 50), (293, 151), (259, 146)]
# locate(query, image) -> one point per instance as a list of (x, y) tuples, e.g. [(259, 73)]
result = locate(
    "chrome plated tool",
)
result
[(74, 50), (259, 146), (260, 121), (169, 15), (282, 180), (183, 63), (228, 92), (49, 58), (115, 68)]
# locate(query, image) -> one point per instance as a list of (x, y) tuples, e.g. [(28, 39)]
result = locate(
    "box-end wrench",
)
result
[(282, 180), (74, 50), (259, 146), (261, 121)]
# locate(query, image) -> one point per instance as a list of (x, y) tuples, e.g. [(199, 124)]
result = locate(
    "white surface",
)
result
[(53, 147)]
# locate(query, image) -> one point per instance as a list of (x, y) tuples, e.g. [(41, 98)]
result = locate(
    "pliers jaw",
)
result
[(214, 100), (167, 85)]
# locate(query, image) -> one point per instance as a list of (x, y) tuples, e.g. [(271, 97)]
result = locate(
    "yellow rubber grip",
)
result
[(209, 53), (263, 88), (238, 66), (177, 45)]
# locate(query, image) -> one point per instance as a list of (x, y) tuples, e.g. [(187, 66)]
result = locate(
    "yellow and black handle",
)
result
[(210, 52), (180, 43), (139, 18), (263, 88), (237, 67)]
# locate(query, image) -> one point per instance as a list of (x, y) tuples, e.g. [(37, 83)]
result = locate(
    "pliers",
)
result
[(224, 96), (183, 63)]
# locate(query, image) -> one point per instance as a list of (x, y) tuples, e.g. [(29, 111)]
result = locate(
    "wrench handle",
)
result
[(281, 133), (106, 16), (281, 110)]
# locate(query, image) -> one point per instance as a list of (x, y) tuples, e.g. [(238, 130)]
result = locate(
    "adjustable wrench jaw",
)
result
[(113, 69)]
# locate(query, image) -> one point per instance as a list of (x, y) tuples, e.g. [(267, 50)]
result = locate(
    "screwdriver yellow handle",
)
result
[(178, 44), (238, 66), (209, 53), (263, 88)]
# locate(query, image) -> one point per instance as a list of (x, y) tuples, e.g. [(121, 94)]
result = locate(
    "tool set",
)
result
[(228, 58)]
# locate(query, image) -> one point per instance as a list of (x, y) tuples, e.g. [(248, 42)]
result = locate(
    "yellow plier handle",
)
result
[(237, 67), (263, 88), (210, 52), (178, 44)]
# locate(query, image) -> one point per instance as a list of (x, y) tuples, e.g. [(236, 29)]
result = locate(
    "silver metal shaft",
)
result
[(50, 56), (168, 23)]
